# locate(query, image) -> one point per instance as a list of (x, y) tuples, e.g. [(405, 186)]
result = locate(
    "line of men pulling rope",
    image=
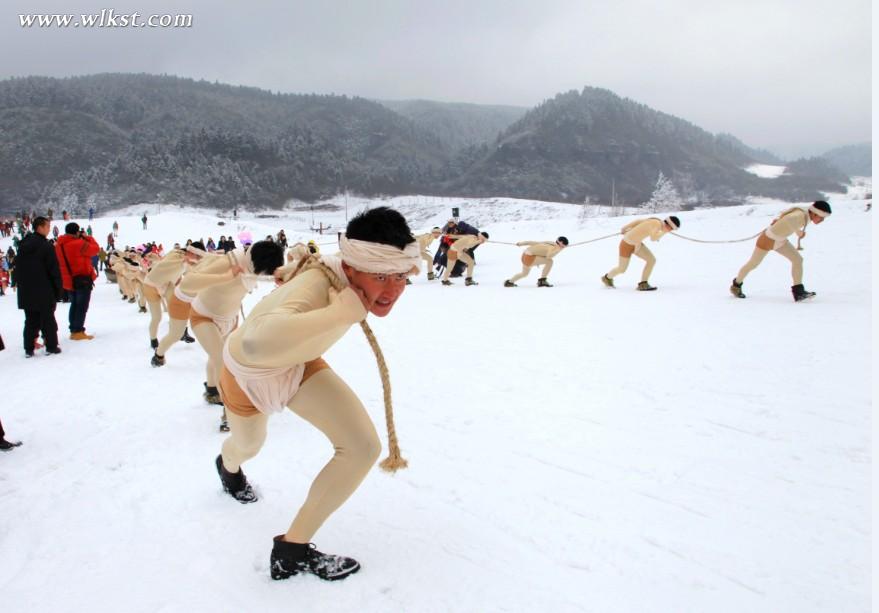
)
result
[(634, 234), (272, 360)]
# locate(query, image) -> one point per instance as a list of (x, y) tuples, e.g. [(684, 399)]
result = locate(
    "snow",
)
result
[(766, 171), (570, 449)]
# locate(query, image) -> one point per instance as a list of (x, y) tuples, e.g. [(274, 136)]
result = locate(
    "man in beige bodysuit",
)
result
[(273, 362), (458, 251), (158, 286), (538, 254), (634, 235), (219, 286), (178, 304), (424, 241), (774, 238)]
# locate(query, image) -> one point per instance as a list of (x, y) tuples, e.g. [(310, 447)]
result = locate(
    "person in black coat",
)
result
[(39, 287)]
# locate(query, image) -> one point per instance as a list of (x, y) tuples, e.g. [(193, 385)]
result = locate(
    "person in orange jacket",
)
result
[(75, 250)]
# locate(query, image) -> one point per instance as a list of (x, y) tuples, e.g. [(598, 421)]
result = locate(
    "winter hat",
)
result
[(563, 240), (71, 228), (820, 208), (674, 222)]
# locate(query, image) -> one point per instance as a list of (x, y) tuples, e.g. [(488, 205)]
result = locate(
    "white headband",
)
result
[(818, 212), (377, 257)]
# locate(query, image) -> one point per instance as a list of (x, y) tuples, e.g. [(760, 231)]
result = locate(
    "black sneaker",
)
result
[(142, 309), (470, 281), (28, 354), (447, 282), (157, 360), (186, 338), (643, 286), (800, 293), (154, 343), (509, 283), (290, 559), (8, 445), (542, 282), (608, 282), (736, 289), (52, 350), (235, 484), (212, 395)]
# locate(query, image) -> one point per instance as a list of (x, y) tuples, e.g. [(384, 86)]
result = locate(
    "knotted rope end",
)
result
[(393, 462)]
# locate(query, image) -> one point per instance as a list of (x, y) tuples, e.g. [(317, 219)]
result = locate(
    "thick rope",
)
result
[(593, 240), (395, 460), (737, 240)]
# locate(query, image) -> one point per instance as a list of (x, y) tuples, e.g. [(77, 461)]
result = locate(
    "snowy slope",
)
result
[(571, 449)]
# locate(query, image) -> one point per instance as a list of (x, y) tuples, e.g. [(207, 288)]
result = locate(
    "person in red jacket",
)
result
[(75, 251)]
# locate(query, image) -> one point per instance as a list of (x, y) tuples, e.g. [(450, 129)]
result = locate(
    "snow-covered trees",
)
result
[(665, 197)]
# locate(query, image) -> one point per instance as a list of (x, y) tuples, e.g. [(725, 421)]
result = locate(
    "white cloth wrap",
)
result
[(818, 212), (181, 296), (226, 323), (378, 258), (269, 389)]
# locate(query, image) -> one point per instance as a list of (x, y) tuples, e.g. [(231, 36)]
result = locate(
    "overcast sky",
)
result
[(775, 73)]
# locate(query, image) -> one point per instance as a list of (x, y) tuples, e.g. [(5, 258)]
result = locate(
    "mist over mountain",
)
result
[(115, 139), (456, 124), (853, 160)]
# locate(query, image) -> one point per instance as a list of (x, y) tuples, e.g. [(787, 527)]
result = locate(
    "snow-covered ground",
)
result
[(766, 171), (571, 449)]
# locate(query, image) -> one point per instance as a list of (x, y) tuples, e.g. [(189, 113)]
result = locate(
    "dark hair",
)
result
[(38, 222), (485, 234), (676, 221), (197, 245), (266, 257), (380, 225), (563, 240), (71, 228), (822, 206)]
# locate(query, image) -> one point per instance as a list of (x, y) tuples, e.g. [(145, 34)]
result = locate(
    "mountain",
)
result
[(458, 125), (584, 144), (854, 160), (115, 139)]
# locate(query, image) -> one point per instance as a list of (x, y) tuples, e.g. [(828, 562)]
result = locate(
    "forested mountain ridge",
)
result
[(115, 139)]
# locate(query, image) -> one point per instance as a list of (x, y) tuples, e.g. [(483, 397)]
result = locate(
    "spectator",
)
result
[(39, 287), (144, 220), (75, 251)]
